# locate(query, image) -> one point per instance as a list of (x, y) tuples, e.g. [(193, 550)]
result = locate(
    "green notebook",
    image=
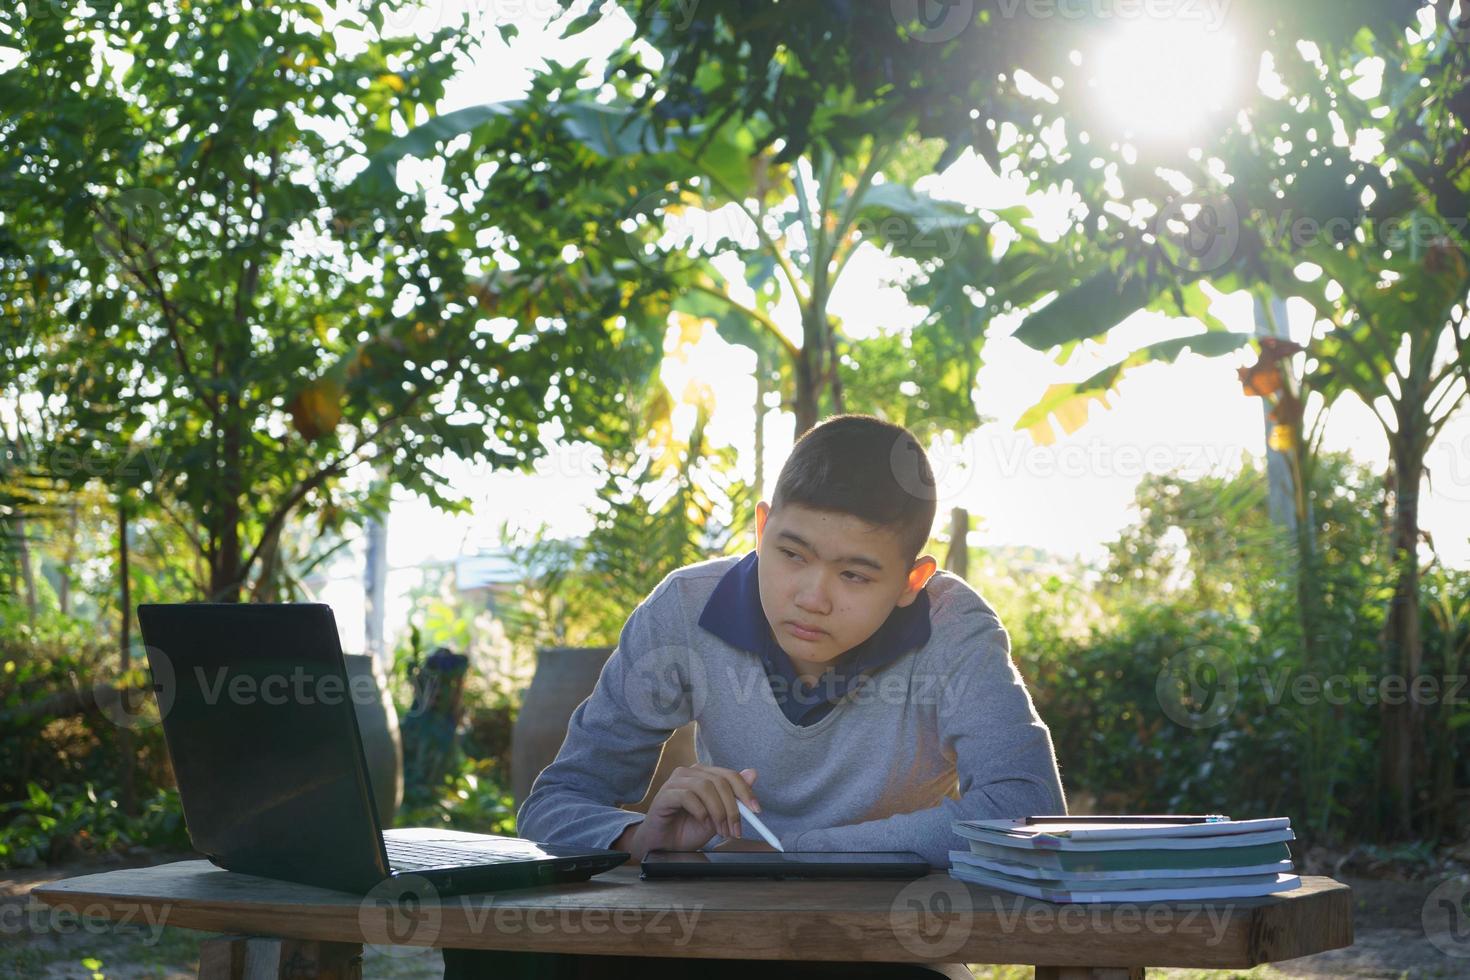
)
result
[(1136, 860)]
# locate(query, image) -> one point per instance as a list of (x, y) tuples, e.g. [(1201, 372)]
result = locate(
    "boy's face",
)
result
[(828, 580)]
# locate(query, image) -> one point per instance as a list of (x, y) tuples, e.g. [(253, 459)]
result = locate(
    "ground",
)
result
[(1390, 940)]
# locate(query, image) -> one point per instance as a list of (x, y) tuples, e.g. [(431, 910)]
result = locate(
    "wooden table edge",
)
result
[(1272, 928)]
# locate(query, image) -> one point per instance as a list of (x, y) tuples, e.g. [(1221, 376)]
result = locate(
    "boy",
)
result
[(848, 692)]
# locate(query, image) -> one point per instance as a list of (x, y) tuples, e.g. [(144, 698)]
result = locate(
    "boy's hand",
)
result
[(695, 803)]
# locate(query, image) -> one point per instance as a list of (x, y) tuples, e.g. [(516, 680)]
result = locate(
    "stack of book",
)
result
[(1127, 858)]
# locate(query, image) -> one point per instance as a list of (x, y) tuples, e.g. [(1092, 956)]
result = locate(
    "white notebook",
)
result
[(1269, 884), (1123, 835)]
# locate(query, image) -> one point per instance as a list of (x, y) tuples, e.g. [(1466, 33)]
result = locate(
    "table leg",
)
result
[(258, 958), (1089, 973)]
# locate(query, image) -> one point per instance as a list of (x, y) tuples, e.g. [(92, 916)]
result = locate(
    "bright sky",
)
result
[(1070, 497)]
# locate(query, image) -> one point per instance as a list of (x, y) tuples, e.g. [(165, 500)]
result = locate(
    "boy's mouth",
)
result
[(803, 632)]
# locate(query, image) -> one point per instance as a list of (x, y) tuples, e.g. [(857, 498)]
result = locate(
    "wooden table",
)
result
[(317, 932)]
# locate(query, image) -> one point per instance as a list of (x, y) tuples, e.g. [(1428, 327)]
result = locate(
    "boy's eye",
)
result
[(851, 576)]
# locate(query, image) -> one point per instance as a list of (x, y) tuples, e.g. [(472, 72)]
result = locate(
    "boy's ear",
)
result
[(762, 512), (924, 568)]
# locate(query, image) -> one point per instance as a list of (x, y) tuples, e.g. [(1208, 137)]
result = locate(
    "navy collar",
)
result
[(734, 614)]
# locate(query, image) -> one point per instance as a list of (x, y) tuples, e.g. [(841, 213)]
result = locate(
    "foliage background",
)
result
[(186, 390)]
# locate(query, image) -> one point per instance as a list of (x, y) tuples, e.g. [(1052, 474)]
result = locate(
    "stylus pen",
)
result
[(755, 822)]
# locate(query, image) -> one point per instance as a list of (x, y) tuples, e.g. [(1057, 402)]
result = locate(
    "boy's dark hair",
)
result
[(861, 465)]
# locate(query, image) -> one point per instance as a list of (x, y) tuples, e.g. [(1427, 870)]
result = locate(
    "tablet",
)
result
[(784, 864)]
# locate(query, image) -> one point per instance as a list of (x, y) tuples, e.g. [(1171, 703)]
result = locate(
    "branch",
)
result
[(1462, 344), (787, 269), (153, 285), (197, 584), (754, 314), (842, 260), (193, 537), (1450, 375), (1434, 426), (278, 518), (849, 211), (336, 467), (1391, 356), (809, 226), (250, 270), (827, 191), (1347, 336)]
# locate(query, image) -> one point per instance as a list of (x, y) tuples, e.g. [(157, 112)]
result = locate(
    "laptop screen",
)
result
[(261, 728)]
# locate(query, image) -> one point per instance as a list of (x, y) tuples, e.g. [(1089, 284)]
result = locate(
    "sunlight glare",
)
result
[(1166, 78)]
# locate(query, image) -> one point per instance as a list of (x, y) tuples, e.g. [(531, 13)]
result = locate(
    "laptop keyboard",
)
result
[(416, 855)]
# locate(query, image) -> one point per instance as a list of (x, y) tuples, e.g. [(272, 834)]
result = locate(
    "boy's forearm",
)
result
[(627, 841)]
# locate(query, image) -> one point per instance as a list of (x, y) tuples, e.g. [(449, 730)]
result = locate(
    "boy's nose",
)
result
[(813, 599)]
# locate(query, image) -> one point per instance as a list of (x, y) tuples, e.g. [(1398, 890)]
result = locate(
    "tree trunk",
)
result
[(760, 425), (63, 585), (806, 388), (1303, 527), (27, 574), (225, 573), (1400, 750), (957, 560), (128, 799), (375, 588), (1288, 496), (265, 588), (834, 369), (1271, 322)]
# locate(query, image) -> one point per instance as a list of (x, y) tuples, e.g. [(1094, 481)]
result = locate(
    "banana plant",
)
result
[(1369, 232)]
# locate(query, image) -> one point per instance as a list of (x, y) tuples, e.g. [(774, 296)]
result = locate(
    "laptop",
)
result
[(260, 726)]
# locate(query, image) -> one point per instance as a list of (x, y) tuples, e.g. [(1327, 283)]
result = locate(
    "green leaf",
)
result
[(914, 224), (581, 23), (610, 129), (378, 180), (1063, 401), (1090, 310)]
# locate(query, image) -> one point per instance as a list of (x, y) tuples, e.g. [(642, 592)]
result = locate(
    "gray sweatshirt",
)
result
[(945, 732)]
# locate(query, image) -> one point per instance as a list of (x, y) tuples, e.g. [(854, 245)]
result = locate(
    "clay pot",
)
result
[(382, 745), (564, 678)]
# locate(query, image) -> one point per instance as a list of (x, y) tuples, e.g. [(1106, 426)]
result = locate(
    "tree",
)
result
[(791, 228), (193, 276), (969, 76), (1368, 237)]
